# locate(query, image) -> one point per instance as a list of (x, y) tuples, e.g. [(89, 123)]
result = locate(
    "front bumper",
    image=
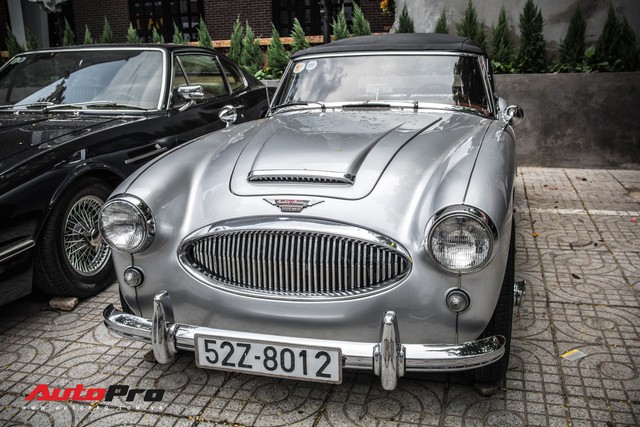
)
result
[(388, 358)]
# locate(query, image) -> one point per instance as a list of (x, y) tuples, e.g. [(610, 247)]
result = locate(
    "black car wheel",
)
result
[(72, 258), (501, 322)]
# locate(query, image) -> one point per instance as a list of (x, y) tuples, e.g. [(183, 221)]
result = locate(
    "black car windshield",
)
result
[(93, 78), (448, 80)]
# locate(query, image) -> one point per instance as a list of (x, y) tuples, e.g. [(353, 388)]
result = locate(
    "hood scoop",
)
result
[(301, 176)]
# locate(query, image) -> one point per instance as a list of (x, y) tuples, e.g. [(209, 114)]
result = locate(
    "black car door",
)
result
[(194, 117)]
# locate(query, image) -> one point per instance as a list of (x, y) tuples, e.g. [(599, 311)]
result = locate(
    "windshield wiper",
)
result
[(296, 104), (381, 105), (93, 104)]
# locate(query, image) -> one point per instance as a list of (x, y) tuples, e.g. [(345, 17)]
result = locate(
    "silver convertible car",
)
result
[(366, 223)]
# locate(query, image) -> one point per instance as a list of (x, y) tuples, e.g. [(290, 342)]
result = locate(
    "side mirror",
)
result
[(228, 114), (512, 113), (191, 93)]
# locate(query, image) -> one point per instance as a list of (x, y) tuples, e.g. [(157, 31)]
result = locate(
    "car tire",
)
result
[(72, 259), (501, 322)]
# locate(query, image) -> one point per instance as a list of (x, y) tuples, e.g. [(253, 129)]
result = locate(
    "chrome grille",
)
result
[(295, 262)]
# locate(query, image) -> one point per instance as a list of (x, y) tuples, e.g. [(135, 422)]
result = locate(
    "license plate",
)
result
[(306, 363)]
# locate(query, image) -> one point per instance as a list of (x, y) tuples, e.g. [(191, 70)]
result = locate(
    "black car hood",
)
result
[(25, 131)]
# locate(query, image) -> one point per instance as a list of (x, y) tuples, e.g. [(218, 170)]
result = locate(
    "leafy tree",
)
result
[(235, 48), (252, 58), (69, 37), (502, 47), (277, 57), (572, 46), (360, 24), (132, 34), (204, 39), (178, 37), (32, 42), (469, 26), (156, 37), (107, 35), (607, 44), (339, 26), (87, 36), (405, 22), (532, 55), (441, 25), (299, 41), (13, 46)]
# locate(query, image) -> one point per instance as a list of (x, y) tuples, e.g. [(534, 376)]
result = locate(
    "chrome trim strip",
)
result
[(16, 249), (146, 155), (356, 355), (301, 175)]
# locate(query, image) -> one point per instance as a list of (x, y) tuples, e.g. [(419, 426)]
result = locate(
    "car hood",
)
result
[(344, 154), (19, 133)]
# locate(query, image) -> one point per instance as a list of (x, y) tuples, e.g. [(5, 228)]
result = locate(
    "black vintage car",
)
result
[(74, 122)]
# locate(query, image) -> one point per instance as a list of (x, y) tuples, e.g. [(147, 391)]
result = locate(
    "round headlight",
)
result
[(127, 224), (462, 241)]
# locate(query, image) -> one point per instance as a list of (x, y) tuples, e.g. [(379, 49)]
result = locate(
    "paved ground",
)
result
[(578, 246)]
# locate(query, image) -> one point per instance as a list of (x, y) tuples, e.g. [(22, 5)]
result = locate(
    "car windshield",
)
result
[(93, 78), (449, 80)]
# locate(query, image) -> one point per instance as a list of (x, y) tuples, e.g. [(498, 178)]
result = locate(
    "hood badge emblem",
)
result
[(292, 205)]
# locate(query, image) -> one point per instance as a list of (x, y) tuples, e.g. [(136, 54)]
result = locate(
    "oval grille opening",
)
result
[(295, 262)]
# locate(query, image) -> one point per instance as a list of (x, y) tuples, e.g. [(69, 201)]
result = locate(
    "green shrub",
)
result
[(299, 41), (204, 39), (132, 34), (360, 25), (616, 48), (532, 54), (13, 46), (156, 37), (87, 36), (252, 58), (69, 37), (235, 48), (32, 41), (441, 25), (572, 45), (277, 57), (107, 35), (339, 26), (628, 52), (502, 59), (178, 37), (405, 22), (469, 26)]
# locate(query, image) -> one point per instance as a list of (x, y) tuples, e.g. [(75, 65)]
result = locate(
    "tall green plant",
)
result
[(235, 48), (572, 46), (204, 39), (107, 34), (470, 27), (68, 37), (532, 54), (299, 41), (502, 47), (178, 37), (277, 57), (442, 26), (360, 25), (87, 36), (132, 34), (628, 51), (252, 58), (156, 37), (607, 44), (339, 26), (405, 22), (32, 41), (13, 46)]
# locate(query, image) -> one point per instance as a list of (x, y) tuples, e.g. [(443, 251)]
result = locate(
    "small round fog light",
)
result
[(458, 300), (133, 277)]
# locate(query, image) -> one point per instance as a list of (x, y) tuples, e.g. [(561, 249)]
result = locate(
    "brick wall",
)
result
[(379, 23), (221, 14), (92, 12)]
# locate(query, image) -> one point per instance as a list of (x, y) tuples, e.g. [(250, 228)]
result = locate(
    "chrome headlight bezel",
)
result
[(144, 224), (468, 213)]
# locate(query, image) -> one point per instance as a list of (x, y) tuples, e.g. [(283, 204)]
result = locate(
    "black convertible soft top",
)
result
[(397, 42)]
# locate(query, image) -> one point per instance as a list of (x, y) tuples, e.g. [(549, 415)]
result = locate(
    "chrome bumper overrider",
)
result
[(388, 358)]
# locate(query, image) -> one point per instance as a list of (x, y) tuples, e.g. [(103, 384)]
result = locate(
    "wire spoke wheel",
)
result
[(85, 250)]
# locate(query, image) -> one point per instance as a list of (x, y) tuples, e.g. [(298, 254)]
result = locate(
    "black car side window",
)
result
[(203, 70), (234, 77)]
